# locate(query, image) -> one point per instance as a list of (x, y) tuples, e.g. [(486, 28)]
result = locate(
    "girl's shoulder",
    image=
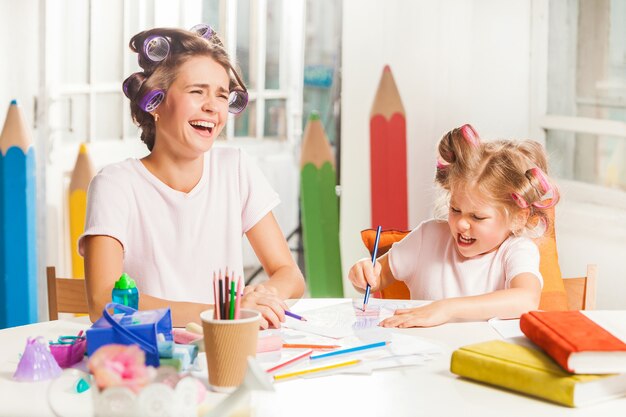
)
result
[(518, 244)]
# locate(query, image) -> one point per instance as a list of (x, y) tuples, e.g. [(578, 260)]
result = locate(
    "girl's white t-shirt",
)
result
[(430, 265), (174, 241)]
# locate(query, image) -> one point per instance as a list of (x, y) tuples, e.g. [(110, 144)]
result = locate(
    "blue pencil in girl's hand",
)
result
[(374, 253)]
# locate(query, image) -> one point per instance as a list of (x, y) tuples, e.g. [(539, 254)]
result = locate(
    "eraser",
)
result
[(184, 337), (269, 343)]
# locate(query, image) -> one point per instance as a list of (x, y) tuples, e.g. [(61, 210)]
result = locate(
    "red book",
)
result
[(582, 342)]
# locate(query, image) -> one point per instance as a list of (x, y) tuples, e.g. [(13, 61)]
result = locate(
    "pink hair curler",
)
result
[(36, 363), (470, 134)]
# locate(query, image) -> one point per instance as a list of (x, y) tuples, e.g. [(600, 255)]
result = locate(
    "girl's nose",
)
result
[(463, 225)]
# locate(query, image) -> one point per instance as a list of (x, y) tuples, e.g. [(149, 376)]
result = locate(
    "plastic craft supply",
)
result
[(184, 337), (69, 350), (194, 328), (269, 343), (36, 363), (125, 292)]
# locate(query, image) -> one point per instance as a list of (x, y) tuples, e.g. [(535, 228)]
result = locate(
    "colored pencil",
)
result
[(368, 288), (320, 213), (388, 166), (315, 370), (307, 346), (303, 355), (226, 295), (216, 310), (18, 222), (239, 295), (349, 350), (220, 283), (231, 303), (294, 315), (81, 177)]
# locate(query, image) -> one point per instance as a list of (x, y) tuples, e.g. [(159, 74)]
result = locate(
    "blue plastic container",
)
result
[(125, 292)]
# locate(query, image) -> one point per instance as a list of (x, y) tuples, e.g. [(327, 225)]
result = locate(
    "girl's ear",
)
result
[(519, 220)]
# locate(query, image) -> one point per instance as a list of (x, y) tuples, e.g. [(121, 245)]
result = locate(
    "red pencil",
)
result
[(304, 354), (388, 169)]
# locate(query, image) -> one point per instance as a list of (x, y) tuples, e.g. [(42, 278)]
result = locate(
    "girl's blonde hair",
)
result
[(510, 174)]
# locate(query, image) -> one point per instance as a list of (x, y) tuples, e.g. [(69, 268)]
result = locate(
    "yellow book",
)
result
[(530, 371)]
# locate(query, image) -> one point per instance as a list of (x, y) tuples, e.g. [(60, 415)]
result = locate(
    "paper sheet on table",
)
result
[(343, 319), (507, 328), (403, 350)]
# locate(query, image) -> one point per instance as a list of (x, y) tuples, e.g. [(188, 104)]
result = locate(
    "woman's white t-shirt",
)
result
[(430, 265), (174, 241)]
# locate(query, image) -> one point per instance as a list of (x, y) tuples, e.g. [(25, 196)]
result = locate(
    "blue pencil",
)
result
[(374, 253), (18, 221), (349, 350)]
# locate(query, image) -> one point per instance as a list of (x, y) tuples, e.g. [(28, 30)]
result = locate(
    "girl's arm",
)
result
[(379, 277), (522, 297), (103, 265), (285, 279)]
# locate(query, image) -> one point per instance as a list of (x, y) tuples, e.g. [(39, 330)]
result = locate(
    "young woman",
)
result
[(174, 218)]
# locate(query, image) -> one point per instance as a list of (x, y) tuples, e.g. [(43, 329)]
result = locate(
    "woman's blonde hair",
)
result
[(510, 174)]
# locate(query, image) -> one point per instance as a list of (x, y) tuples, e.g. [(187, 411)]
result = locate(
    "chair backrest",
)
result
[(65, 295), (581, 292)]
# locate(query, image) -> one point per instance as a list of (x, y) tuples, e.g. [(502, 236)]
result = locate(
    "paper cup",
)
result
[(228, 343)]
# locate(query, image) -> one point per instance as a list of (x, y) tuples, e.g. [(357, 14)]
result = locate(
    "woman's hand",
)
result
[(265, 300), (363, 273), (433, 314)]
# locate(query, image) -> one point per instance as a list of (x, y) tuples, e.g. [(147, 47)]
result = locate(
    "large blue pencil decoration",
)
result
[(18, 245)]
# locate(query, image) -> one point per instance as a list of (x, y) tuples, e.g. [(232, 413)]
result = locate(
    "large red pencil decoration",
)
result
[(18, 235), (388, 178)]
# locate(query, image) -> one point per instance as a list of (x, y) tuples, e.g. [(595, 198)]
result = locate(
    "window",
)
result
[(586, 92)]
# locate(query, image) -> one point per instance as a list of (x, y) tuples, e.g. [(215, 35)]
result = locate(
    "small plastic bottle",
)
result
[(125, 292)]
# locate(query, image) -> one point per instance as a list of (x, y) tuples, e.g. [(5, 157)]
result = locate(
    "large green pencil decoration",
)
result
[(320, 213), (18, 245)]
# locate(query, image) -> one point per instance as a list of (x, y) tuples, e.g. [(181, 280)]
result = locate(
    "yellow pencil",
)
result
[(313, 370), (81, 176)]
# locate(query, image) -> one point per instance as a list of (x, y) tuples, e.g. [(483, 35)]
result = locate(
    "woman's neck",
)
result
[(177, 173)]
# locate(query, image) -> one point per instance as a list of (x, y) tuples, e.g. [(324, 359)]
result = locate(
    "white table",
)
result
[(426, 390)]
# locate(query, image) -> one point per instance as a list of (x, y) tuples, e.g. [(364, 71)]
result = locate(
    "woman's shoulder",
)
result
[(118, 174)]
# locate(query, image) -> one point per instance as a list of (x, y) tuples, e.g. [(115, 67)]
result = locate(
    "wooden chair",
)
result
[(581, 292), (65, 295)]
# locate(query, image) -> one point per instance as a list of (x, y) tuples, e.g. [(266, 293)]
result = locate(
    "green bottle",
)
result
[(125, 292)]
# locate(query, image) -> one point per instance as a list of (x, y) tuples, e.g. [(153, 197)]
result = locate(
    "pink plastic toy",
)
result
[(69, 350), (37, 363)]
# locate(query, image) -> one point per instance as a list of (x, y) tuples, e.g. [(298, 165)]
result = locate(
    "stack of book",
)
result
[(579, 358)]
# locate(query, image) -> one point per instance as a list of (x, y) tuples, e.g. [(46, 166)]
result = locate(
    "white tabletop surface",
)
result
[(426, 390)]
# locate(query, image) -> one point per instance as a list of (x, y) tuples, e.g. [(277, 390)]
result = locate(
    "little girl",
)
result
[(479, 264), (174, 218)]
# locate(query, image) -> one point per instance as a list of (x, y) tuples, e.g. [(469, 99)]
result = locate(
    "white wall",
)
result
[(455, 62)]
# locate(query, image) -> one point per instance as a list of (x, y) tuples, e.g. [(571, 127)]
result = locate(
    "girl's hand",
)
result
[(433, 314), (265, 300), (363, 273)]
